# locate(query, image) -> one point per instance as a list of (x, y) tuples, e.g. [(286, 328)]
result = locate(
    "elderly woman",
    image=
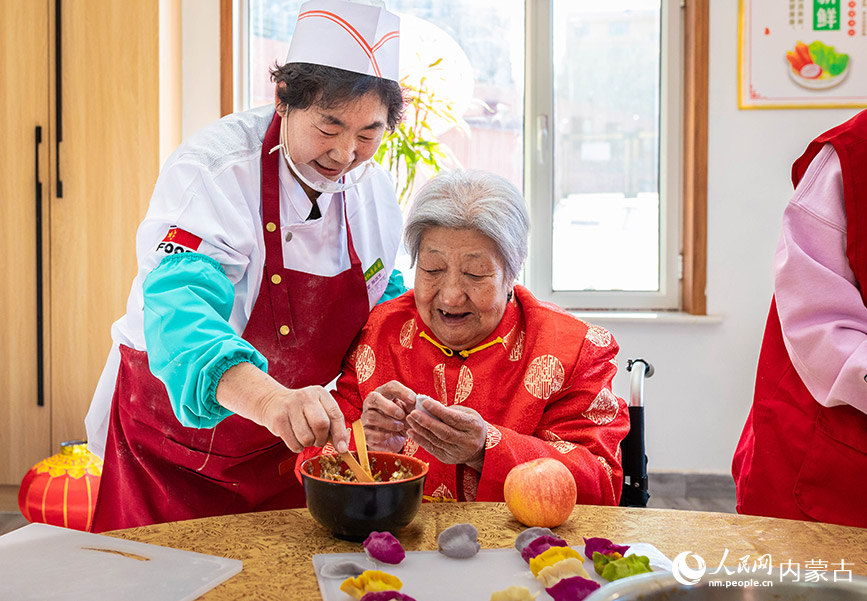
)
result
[(511, 378)]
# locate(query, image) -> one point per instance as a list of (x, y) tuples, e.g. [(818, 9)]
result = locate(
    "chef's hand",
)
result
[(302, 417), (383, 414), (451, 434)]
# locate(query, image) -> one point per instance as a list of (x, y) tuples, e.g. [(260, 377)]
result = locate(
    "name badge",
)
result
[(375, 278)]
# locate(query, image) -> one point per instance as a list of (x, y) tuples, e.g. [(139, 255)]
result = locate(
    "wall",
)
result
[(700, 396), (200, 64), (701, 393)]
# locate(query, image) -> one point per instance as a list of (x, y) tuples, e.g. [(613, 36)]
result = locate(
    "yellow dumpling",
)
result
[(566, 568), (370, 581), (551, 556), (514, 593)]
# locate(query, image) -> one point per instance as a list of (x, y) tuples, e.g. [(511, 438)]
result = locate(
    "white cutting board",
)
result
[(42, 562), (431, 576)]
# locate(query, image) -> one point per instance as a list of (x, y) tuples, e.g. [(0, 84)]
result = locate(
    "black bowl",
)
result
[(352, 510)]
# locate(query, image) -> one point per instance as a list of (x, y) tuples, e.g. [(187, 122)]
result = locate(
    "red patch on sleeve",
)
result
[(182, 237)]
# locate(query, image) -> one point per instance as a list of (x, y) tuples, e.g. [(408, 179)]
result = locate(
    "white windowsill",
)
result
[(664, 317)]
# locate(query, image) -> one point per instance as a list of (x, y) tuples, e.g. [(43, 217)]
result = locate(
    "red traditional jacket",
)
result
[(543, 386)]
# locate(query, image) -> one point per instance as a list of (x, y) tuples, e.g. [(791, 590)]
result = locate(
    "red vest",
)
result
[(796, 458)]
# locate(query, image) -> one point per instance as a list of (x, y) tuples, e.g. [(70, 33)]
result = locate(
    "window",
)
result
[(575, 101)]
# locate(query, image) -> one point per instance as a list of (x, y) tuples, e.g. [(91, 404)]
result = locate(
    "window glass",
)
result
[(480, 49), (606, 141)]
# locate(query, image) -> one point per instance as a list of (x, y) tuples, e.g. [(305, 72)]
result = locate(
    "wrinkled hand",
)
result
[(457, 435), (383, 413), (305, 417)]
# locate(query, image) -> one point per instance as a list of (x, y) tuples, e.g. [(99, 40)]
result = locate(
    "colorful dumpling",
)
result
[(541, 544), (384, 547), (460, 541), (528, 535), (602, 545), (370, 581), (514, 593), (613, 567), (552, 556), (566, 568), (572, 589), (386, 596)]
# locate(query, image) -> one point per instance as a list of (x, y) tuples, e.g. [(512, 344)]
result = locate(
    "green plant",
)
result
[(414, 143)]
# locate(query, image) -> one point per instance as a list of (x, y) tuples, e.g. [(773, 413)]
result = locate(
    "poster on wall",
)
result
[(802, 54)]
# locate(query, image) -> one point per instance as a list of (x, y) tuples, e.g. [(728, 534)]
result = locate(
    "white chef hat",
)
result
[(359, 36)]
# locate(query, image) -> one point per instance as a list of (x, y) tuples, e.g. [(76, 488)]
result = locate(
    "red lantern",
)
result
[(61, 490)]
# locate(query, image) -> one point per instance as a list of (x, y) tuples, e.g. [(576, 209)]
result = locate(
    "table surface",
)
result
[(277, 546)]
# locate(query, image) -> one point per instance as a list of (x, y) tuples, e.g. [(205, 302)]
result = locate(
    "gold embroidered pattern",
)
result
[(544, 376), (603, 409), (464, 386), (365, 362), (598, 336), (407, 333)]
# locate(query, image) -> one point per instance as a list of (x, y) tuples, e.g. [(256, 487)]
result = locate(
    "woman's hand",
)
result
[(302, 417), (383, 414), (453, 435)]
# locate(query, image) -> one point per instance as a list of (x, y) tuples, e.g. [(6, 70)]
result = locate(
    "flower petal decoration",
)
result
[(460, 541), (384, 547), (541, 544), (572, 589), (602, 545), (551, 556), (386, 596), (524, 539), (370, 581), (514, 593), (566, 568)]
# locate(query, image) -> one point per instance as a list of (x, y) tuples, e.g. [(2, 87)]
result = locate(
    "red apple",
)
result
[(540, 492)]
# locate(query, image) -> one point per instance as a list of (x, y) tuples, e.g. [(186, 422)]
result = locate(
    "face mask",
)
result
[(313, 178)]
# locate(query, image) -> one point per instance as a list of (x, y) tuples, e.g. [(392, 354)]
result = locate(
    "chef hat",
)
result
[(355, 36)]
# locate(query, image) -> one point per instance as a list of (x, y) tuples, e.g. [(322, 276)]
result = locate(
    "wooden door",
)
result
[(24, 106), (109, 162)]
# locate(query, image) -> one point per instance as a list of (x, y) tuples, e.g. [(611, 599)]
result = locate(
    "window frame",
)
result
[(692, 106)]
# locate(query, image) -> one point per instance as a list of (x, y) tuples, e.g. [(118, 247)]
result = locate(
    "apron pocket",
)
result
[(830, 485)]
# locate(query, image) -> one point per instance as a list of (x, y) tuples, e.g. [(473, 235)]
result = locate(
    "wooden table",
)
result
[(277, 547)]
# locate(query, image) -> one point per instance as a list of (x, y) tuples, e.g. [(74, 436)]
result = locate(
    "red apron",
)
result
[(156, 470), (796, 458)]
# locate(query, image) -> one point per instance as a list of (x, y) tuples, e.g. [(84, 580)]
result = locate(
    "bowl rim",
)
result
[(424, 470)]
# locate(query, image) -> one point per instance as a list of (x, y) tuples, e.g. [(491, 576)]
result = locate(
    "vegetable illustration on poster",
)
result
[(802, 54)]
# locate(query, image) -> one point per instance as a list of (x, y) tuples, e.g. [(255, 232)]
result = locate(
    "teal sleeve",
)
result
[(187, 303), (395, 287)]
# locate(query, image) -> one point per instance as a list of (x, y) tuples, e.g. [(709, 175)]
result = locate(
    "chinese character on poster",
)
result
[(802, 54)]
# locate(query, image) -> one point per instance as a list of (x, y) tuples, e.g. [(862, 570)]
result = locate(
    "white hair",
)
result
[(472, 200)]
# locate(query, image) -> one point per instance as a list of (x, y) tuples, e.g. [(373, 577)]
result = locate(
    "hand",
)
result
[(383, 414), (453, 435), (305, 417), (301, 417)]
